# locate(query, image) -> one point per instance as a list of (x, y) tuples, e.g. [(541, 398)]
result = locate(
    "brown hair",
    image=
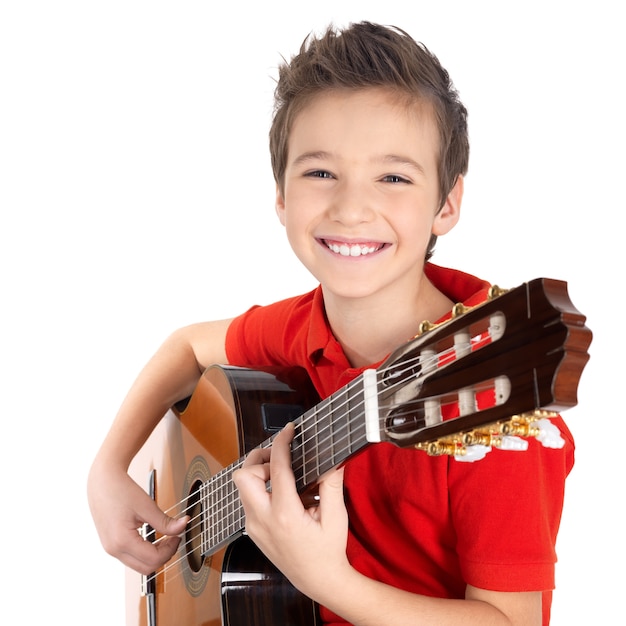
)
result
[(370, 55)]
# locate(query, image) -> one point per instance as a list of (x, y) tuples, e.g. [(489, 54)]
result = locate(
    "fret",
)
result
[(207, 504), (331, 413), (315, 430), (224, 525), (356, 426), (236, 520), (233, 511)]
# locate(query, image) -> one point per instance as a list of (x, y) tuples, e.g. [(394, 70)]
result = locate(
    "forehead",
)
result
[(368, 119)]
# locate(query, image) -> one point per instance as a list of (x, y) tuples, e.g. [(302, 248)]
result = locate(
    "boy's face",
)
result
[(360, 197)]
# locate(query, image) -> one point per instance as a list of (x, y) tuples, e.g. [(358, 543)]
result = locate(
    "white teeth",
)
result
[(354, 250)]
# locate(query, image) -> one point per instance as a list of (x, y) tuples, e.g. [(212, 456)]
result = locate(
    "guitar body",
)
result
[(231, 411)]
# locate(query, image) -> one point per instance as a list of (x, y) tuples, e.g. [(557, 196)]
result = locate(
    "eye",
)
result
[(319, 174), (394, 178)]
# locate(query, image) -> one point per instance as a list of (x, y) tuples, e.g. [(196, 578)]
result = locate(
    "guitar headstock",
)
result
[(489, 373)]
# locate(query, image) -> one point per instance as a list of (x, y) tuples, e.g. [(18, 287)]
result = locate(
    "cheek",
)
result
[(414, 226), (297, 233), (300, 217), (290, 222)]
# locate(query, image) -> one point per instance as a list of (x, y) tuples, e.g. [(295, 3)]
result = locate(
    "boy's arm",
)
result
[(309, 547), (118, 505)]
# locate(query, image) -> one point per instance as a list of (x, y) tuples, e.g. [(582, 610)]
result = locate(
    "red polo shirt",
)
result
[(429, 525)]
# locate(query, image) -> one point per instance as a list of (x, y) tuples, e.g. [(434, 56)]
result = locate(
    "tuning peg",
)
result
[(459, 309), (476, 452), (508, 442), (472, 453), (424, 327), (495, 291), (549, 435)]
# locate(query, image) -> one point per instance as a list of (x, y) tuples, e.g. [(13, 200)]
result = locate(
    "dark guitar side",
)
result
[(231, 411)]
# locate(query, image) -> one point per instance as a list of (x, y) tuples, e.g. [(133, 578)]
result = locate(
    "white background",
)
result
[(136, 196)]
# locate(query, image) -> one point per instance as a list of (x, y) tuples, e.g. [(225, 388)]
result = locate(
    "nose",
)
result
[(351, 204)]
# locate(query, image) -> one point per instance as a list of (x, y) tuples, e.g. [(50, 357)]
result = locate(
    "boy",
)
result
[(369, 148)]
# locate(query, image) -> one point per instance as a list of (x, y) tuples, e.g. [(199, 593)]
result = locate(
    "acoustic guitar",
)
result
[(524, 349)]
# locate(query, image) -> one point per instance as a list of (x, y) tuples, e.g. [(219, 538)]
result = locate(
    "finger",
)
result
[(146, 557), (334, 480), (332, 512), (254, 467), (280, 458), (257, 456), (282, 479), (251, 481), (150, 553), (253, 477), (148, 512)]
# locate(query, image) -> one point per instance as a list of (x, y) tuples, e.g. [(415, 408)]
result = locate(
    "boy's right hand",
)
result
[(119, 508), (118, 505)]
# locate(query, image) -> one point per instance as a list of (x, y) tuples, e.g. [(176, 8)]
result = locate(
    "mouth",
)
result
[(352, 249)]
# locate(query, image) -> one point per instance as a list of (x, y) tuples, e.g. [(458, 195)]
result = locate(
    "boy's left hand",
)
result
[(307, 544)]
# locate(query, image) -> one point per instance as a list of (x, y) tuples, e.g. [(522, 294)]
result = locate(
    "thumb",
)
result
[(175, 526), (163, 523)]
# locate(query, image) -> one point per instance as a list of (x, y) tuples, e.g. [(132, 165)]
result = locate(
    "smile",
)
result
[(354, 249)]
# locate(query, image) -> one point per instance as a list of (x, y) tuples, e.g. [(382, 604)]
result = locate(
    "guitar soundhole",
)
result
[(193, 535)]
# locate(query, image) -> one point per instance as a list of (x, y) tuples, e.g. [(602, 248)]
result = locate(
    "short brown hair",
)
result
[(370, 55)]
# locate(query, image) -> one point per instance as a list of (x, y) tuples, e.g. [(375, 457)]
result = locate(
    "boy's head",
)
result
[(366, 55)]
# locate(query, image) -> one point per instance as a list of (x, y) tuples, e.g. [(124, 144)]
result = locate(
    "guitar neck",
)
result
[(335, 429), (325, 437)]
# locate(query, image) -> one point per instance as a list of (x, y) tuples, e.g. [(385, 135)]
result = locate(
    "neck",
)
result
[(368, 329)]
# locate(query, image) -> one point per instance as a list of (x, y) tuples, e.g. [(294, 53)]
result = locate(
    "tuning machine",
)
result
[(511, 434)]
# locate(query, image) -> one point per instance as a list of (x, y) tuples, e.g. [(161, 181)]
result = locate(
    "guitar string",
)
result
[(308, 420)]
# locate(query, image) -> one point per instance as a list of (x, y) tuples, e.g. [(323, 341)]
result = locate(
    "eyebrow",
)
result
[(310, 156), (402, 160), (394, 159)]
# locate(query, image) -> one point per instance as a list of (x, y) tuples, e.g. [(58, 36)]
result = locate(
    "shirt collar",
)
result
[(456, 285)]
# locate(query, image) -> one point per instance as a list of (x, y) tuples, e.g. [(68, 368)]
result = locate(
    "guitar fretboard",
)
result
[(325, 436)]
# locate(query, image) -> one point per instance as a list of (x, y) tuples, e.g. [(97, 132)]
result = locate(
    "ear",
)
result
[(280, 205), (450, 213)]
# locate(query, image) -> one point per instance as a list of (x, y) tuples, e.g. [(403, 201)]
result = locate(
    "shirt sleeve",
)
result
[(274, 334), (507, 510)]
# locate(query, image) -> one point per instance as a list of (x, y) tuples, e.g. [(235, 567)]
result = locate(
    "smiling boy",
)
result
[(369, 149), (359, 200)]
